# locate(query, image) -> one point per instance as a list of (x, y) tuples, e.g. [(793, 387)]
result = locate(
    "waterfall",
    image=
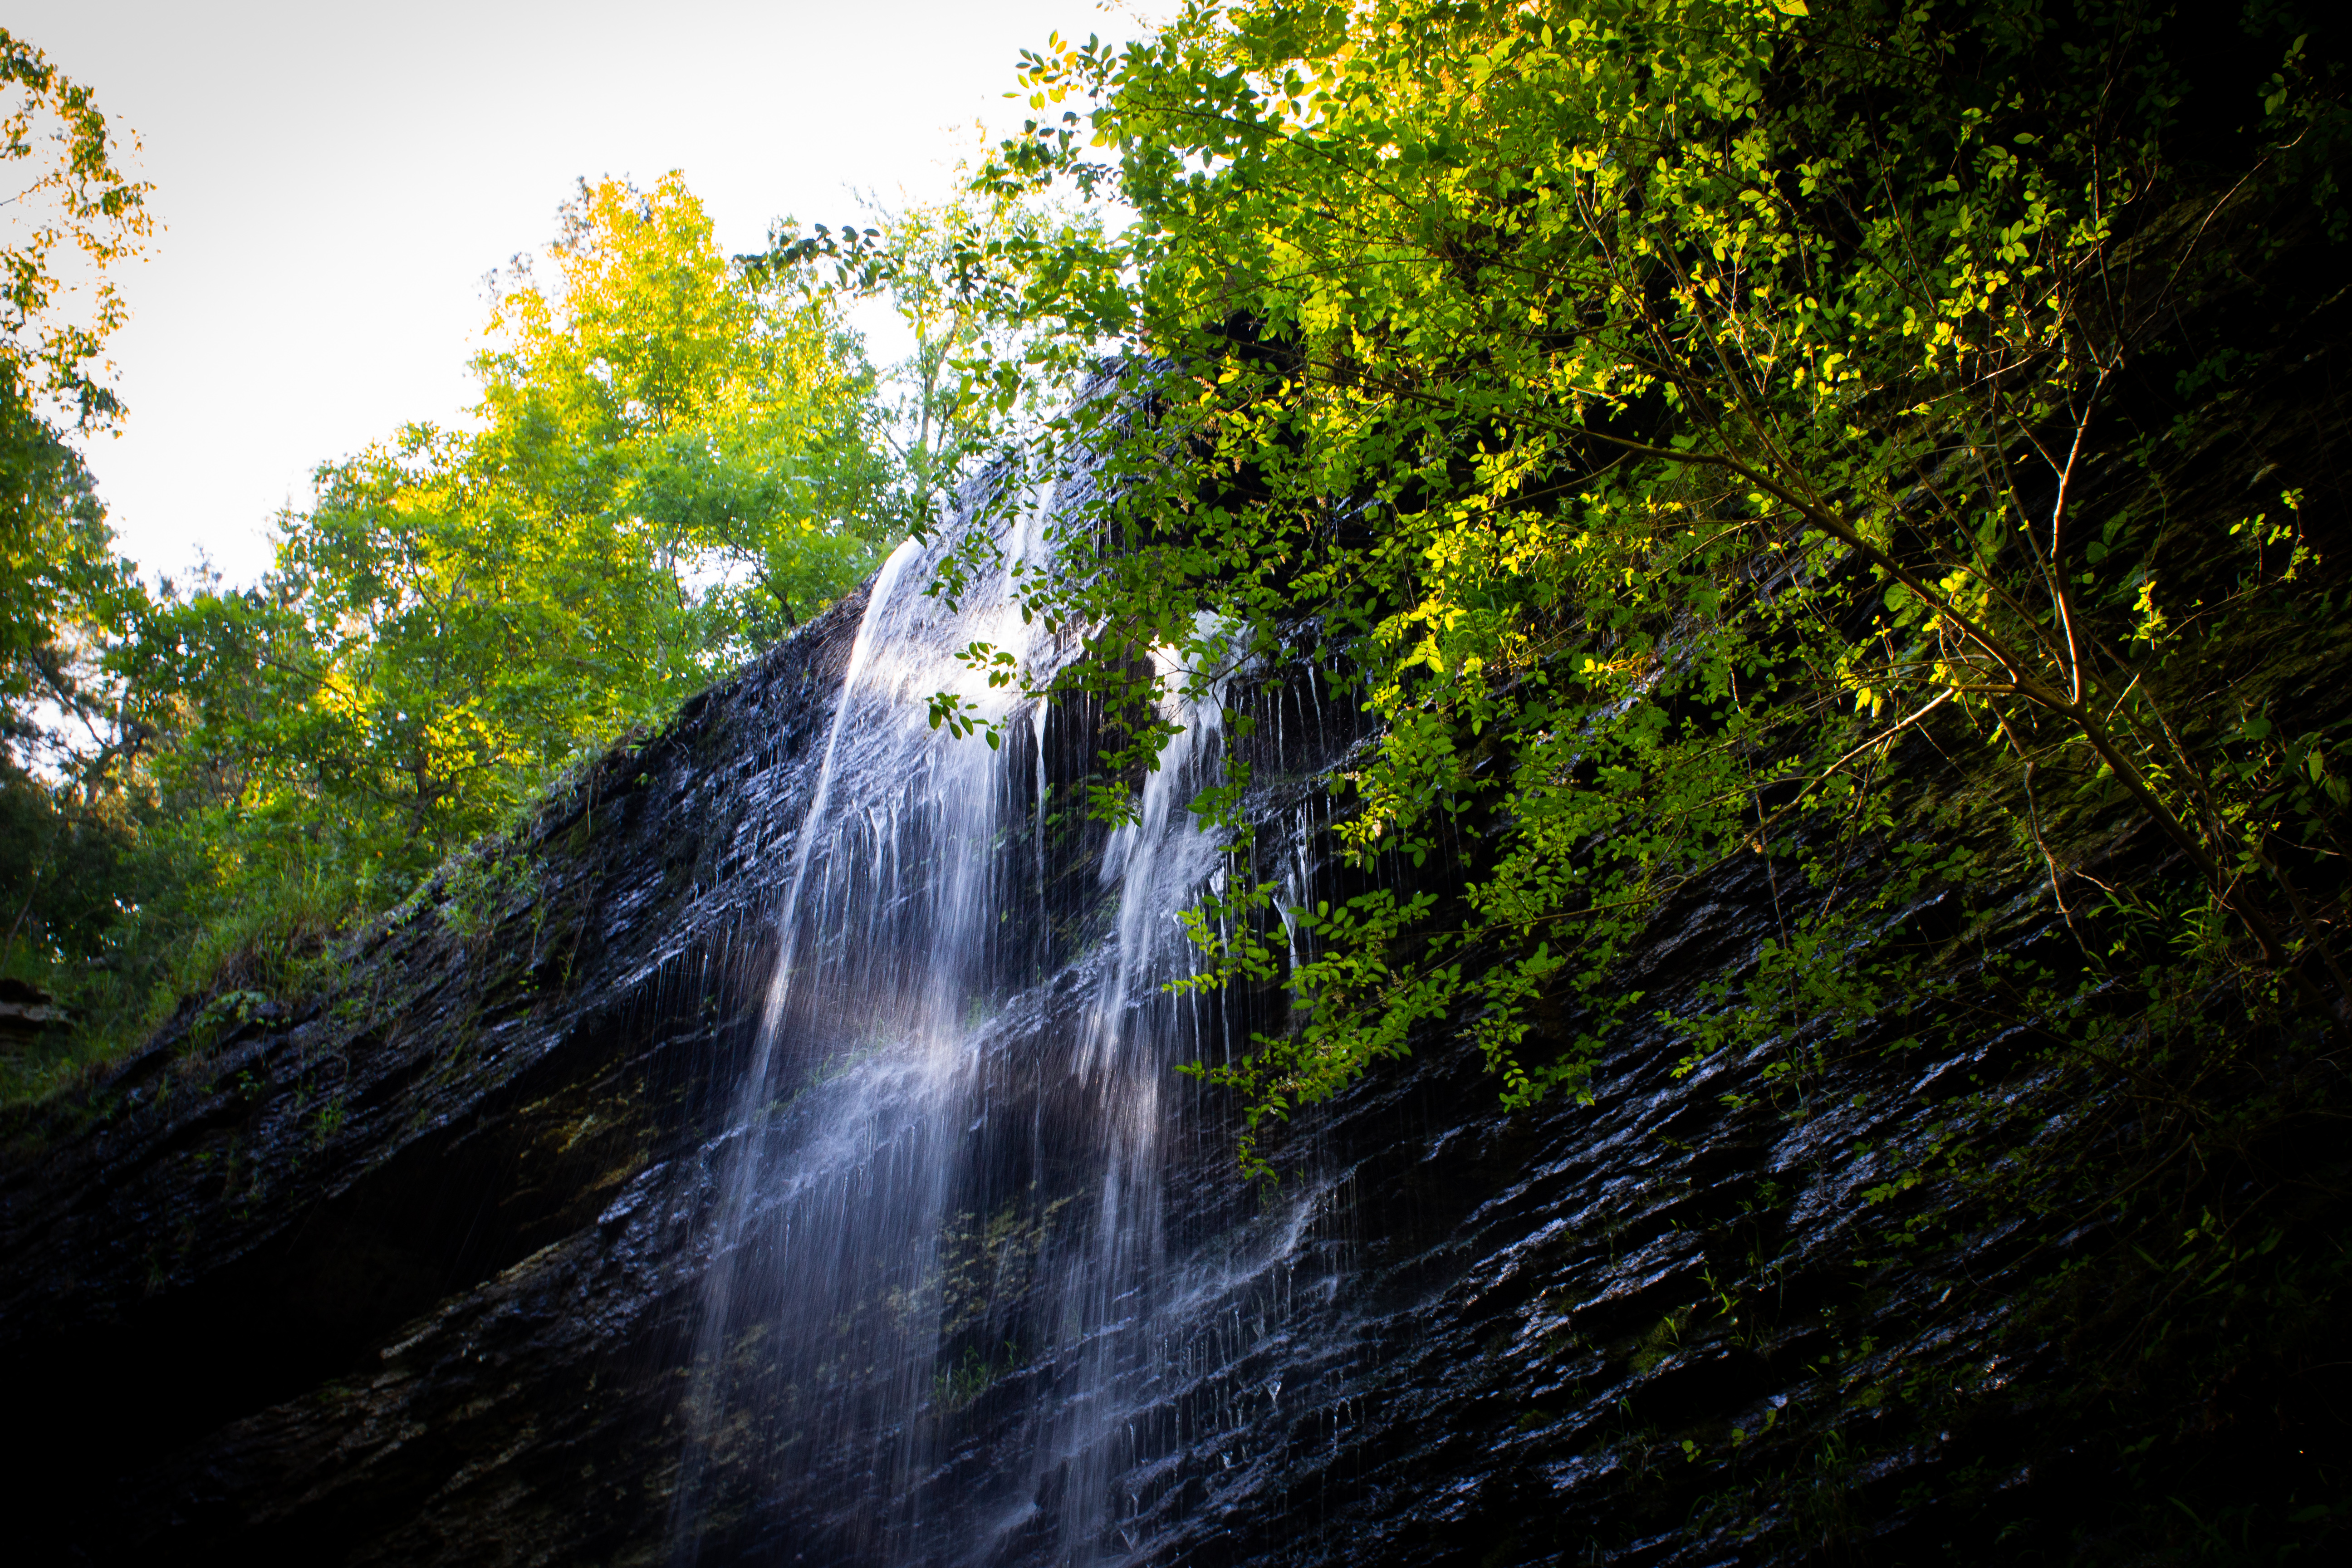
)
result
[(943, 1320), (1120, 1266)]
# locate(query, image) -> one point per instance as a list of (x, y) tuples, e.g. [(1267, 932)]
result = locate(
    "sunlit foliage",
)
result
[(671, 463), (70, 219), (1662, 412), (676, 457)]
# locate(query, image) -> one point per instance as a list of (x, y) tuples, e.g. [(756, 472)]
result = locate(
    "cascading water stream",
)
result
[(943, 1320), (834, 1176), (1122, 1063)]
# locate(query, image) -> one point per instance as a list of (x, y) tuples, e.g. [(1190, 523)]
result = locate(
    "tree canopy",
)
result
[(672, 461), (1666, 411), (675, 457), (1664, 415), (73, 219)]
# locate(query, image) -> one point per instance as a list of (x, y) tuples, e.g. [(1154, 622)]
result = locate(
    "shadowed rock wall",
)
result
[(410, 1272), (374, 1280)]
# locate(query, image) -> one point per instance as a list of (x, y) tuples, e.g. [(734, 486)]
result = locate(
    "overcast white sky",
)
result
[(335, 179)]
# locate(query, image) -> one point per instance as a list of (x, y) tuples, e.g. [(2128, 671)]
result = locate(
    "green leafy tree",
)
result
[(962, 276), (1666, 408), (73, 205), (1873, 469), (72, 216), (673, 460), (713, 410)]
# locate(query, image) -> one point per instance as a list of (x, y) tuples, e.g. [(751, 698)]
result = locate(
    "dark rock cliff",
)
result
[(410, 1272), (370, 1281)]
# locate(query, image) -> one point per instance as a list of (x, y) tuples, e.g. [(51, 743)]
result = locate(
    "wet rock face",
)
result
[(288, 1284), (419, 1272)]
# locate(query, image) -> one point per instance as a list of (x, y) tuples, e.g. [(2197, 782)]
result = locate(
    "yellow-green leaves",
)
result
[(674, 459), (74, 215), (1658, 402)]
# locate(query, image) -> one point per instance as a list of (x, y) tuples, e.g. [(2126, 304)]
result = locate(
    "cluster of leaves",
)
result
[(1664, 410), (72, 214), (673, 462), (960, 275), (676, 456), (77, 216), (1867, 463)]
